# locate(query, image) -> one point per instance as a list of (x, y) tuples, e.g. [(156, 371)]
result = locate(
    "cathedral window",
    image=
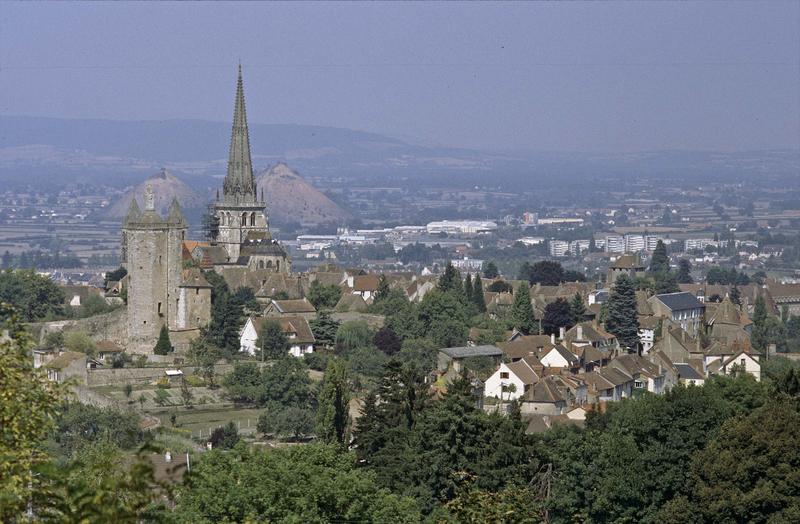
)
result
[(252, 219)]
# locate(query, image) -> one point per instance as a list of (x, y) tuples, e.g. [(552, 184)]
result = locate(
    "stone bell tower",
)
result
[(240, 211)]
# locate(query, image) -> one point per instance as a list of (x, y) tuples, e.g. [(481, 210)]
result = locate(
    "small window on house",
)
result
[(197, 291), (741, 362), (503, 374)]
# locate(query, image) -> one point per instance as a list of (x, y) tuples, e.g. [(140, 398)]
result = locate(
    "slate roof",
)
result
[(679, 301), (688, 372), (294, 306), (472, 351)]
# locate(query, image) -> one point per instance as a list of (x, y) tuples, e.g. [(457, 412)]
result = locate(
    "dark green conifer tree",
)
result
[(163, 346), (477, 295), (684, 272), (450, 280), (577, 308), (621, 319), (660, 261), (522, 310), (468, 289)]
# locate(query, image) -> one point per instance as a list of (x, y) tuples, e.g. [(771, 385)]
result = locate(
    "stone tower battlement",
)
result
[(151, 252)]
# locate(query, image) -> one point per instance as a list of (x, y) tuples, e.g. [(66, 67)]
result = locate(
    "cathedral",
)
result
[(165, 283)]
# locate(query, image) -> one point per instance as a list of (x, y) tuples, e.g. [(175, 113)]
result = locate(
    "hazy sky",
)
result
[(549, 76)]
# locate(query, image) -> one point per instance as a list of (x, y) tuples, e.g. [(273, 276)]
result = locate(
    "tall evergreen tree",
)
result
[(450, 279), (468, 289), (333, 414), (660, 261), (490, 270), (735, 295), (522, 310), (684, 271), (621, 319), (477, 295), (163, 345), (759, 337), (383, 289), (577, 308)]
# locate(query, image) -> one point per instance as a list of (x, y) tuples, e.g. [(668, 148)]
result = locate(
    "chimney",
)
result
[(167, 457), (561, 333), (553, 338), (580, 332)]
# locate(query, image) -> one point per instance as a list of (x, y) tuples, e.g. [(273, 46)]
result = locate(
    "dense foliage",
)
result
[(33, 296)]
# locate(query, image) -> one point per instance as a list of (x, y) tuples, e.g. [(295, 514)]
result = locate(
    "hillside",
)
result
[(292, 199), (165, 186)]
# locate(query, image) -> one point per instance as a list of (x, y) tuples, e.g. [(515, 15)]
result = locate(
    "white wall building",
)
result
[(461, 226)]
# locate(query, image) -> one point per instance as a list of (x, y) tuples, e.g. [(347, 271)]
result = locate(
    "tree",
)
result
[(387, 340), (522, 311), (557, 314), (272, 340), (33, 296), (243, 383), (382, 293), (204, 357), (666, 282), (186, 394), (286, 421), (735, 295), (577, 309), (546, 273), (80, 341), (163, 345), (128, 390), (225, 437), (747, 472), (659, 263), (684, 271), (351, 335), (324, 296), (477, 295), (468, 290), (333, 412), (28, 410), (501, 286), (443, 317), (490, 270), (311, 483), (450, 280), (324, 329), (286, 382), (621, 319)]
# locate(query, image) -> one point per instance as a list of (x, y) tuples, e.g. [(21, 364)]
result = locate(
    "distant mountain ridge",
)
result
[(32, 147)]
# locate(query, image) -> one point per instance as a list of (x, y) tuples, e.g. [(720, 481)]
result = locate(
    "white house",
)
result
[(742, 361), (559, 357), (510, 381), (296, 329)]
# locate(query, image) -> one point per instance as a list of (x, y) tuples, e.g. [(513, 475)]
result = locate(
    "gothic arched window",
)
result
[(252, 219)]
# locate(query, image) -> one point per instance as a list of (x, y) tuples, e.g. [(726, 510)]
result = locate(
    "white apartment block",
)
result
[(615, 244), (558, 248)]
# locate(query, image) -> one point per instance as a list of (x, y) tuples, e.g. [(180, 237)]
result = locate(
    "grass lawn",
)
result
[(201, 421)]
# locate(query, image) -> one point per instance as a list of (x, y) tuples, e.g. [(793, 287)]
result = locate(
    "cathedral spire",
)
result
[(239, 185)]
